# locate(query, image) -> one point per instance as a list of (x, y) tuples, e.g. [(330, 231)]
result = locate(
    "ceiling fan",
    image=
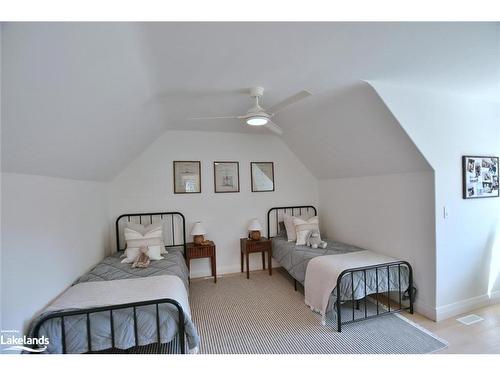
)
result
[(258, 116)]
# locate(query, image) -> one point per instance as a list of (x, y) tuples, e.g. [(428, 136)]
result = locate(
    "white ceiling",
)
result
[(81, 100)]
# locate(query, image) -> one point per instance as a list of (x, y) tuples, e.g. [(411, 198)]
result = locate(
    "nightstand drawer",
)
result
[(200, 251), (257, 246)]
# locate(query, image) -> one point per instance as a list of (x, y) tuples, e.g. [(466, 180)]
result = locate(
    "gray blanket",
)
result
[(111, 268), (296, 258)]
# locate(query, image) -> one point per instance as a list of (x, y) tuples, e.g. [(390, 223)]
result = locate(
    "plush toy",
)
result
[(314, 240), (142, 260)]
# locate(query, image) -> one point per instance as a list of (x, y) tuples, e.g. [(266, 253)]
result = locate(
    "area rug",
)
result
[(264, 315)]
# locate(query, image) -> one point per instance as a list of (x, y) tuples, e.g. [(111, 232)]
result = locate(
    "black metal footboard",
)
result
[(361, 273), (62, 315)]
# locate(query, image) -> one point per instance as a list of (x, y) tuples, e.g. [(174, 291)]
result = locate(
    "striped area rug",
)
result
[(171, 347), (264, 315)]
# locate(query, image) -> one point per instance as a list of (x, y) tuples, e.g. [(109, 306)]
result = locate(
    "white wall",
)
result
[(392, 214), (444, 127), (53, 230), (147, 185)]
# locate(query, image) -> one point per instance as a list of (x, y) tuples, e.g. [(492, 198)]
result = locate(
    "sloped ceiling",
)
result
[(352, 135), (81, 100)]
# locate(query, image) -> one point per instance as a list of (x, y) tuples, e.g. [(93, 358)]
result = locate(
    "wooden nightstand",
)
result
[(248, 246), (202, 251)]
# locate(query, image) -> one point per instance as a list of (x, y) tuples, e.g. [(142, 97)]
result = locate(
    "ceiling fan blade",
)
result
[(273, 127), (215, 118), (288, 101)]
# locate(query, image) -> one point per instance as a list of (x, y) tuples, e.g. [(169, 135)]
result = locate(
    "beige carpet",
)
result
[(265, 315)]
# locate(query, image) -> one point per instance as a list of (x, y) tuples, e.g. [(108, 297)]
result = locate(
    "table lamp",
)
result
[(255, 229), (197, 232)]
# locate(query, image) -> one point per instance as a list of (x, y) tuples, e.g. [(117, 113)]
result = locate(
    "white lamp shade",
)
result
[(255, 225), (198, 229)]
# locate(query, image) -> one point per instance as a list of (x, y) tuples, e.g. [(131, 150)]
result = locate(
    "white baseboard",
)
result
[(427, 311), (466, 305), (222, 271), (235, 268)]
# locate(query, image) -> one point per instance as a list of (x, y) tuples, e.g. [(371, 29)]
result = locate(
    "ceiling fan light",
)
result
[(257, 120)]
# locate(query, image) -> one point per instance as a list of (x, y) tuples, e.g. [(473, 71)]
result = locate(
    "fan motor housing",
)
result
[(256, 91)]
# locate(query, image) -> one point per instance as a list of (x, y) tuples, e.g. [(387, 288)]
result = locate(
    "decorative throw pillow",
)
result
[(304, 227), (137, 236), (133, 253), (143, 229), (291, 233), (153, 230)]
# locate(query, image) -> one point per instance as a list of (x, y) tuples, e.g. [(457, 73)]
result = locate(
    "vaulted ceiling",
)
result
[(81, 100)]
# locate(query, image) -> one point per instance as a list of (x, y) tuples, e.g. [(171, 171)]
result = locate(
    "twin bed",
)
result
[(114, 308), (365, 284)]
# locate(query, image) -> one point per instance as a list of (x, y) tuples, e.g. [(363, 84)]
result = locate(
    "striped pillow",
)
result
[(137, 235), (304, 227), (291, 232)]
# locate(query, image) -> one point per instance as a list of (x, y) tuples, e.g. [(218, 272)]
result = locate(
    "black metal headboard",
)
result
[(173, 238), (291, 209)]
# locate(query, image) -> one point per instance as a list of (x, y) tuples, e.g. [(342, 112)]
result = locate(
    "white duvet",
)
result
[(116, 292), (323, 271)]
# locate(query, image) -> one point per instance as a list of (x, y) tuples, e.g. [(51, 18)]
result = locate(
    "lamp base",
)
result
[(198, 239), (255, 235)]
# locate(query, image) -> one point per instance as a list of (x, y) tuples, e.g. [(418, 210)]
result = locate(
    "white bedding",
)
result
[(116, 292), (323, 271)]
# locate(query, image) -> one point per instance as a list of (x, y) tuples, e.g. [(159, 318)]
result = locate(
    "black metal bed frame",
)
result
[(410, 292), (133, 305), (111, 308), (151, 215)]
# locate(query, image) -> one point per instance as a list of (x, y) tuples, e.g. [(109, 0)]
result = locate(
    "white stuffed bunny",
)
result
[(314, 240)]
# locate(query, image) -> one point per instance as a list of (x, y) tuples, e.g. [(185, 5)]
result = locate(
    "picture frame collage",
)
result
[(480, 177), (187, 177)]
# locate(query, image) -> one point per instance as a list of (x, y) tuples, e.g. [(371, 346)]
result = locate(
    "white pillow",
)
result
[(304, 227), (132, 253), (137, 235), (143, 229), (291, 233)]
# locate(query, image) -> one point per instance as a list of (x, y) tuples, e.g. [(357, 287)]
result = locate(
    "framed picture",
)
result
[(480, 176), (187, 177), (262, 176), (226, 177)]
